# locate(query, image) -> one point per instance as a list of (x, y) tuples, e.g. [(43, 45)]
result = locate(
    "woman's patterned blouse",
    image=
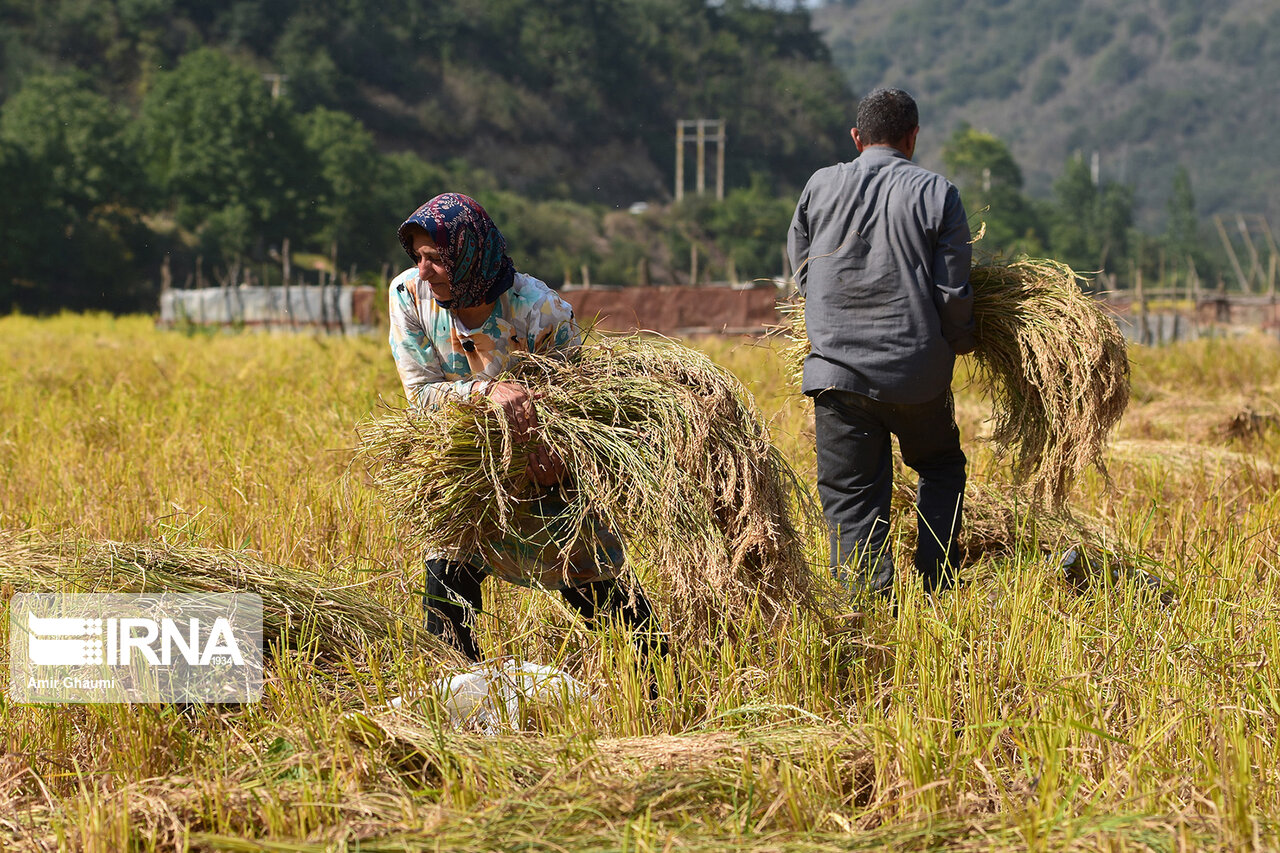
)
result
[(436, 355)]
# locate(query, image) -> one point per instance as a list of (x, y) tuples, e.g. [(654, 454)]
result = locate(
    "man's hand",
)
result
[(545, 468), (964, 345)]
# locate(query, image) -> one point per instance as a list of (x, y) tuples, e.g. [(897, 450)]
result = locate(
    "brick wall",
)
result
[(676, 310)]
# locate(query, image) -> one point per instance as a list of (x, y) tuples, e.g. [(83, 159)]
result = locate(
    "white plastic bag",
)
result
[(490, 695)]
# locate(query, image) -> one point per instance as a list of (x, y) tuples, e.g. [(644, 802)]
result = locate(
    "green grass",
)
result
[(1016, 713)]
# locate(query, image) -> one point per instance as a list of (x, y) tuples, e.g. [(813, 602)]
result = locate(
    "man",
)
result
[(881, 251)]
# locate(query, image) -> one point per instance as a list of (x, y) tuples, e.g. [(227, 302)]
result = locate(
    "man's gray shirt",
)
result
[(880, 249)]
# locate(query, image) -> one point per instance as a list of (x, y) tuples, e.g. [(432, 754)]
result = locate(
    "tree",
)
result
[(217, 144), (73, 192), (750, 226), (344, 188), (571, 100), (1114, 222), (990, 183), (79, 137), (976, 159), (1181, 235), (1091, 223), (25, 220)]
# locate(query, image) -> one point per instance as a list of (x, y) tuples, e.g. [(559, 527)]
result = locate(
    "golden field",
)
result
[(1021, 711)]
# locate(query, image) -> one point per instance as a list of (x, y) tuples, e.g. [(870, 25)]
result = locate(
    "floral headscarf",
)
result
[(473, 249)]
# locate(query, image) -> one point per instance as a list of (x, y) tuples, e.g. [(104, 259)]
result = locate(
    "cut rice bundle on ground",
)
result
[(665, 450), (1079, 549), (998, 524), (297, 605), (1053, 362)]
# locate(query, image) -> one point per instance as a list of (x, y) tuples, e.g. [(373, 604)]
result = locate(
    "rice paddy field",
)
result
[(1131, 705)]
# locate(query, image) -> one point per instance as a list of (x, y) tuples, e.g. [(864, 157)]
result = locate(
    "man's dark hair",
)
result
[(886, 116)]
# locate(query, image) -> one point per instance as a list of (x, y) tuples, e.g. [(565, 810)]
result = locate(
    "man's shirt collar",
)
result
[(882, 152)]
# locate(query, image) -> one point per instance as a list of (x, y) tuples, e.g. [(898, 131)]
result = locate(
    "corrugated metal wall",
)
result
[(336, 309)]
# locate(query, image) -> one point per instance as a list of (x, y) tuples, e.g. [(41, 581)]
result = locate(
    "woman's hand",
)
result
[(545, 468), (517, 404)]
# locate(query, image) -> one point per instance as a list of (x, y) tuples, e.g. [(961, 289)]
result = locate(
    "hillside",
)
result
[(193, 141), (573, 99), (1150, 84)]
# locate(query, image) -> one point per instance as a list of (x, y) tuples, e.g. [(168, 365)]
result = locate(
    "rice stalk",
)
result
[(1056, 369), (1053, 363), (666, 450), (997, 523), (298, 607)]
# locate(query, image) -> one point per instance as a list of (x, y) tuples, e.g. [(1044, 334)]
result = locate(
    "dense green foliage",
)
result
[(1089, 220), (73, 189), (172, 112), (135, 133), (991, 186)]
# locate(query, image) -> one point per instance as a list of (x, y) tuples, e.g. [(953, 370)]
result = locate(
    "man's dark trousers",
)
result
[(855, 482)]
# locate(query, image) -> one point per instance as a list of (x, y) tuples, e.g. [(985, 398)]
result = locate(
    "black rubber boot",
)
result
[(451, 600)]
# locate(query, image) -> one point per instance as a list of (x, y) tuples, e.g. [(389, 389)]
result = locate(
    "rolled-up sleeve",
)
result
[(952, 259)]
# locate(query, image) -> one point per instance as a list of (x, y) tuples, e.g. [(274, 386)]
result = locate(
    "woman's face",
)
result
[(431, 268)]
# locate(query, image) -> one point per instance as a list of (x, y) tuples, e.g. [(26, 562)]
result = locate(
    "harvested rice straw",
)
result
[(1056, 368), (997, 524), (665, 449), (1053, 362), (659, 762), (297, 606), (1082, 550)]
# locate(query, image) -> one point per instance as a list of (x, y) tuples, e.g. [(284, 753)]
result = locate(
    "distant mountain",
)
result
[(1149, 84)]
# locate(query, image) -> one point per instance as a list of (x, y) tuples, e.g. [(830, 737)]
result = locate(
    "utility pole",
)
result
[(679, 160), (1231, 253), (277, 82), (704, 130)]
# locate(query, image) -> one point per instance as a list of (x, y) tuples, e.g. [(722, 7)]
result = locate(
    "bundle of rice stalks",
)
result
[(998, 524), (1250, 423), (297, 606), (611, 772), (1056, 369), (666, 451), (1053, 362), (1080, 549)]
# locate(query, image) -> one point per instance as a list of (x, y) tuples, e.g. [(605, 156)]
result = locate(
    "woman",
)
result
[(456, 319)]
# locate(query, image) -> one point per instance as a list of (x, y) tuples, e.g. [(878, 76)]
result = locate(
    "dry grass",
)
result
[(668, 452), (999, 524), (298, 607), (1020, 712), (1249, 423), (1056, 369)]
